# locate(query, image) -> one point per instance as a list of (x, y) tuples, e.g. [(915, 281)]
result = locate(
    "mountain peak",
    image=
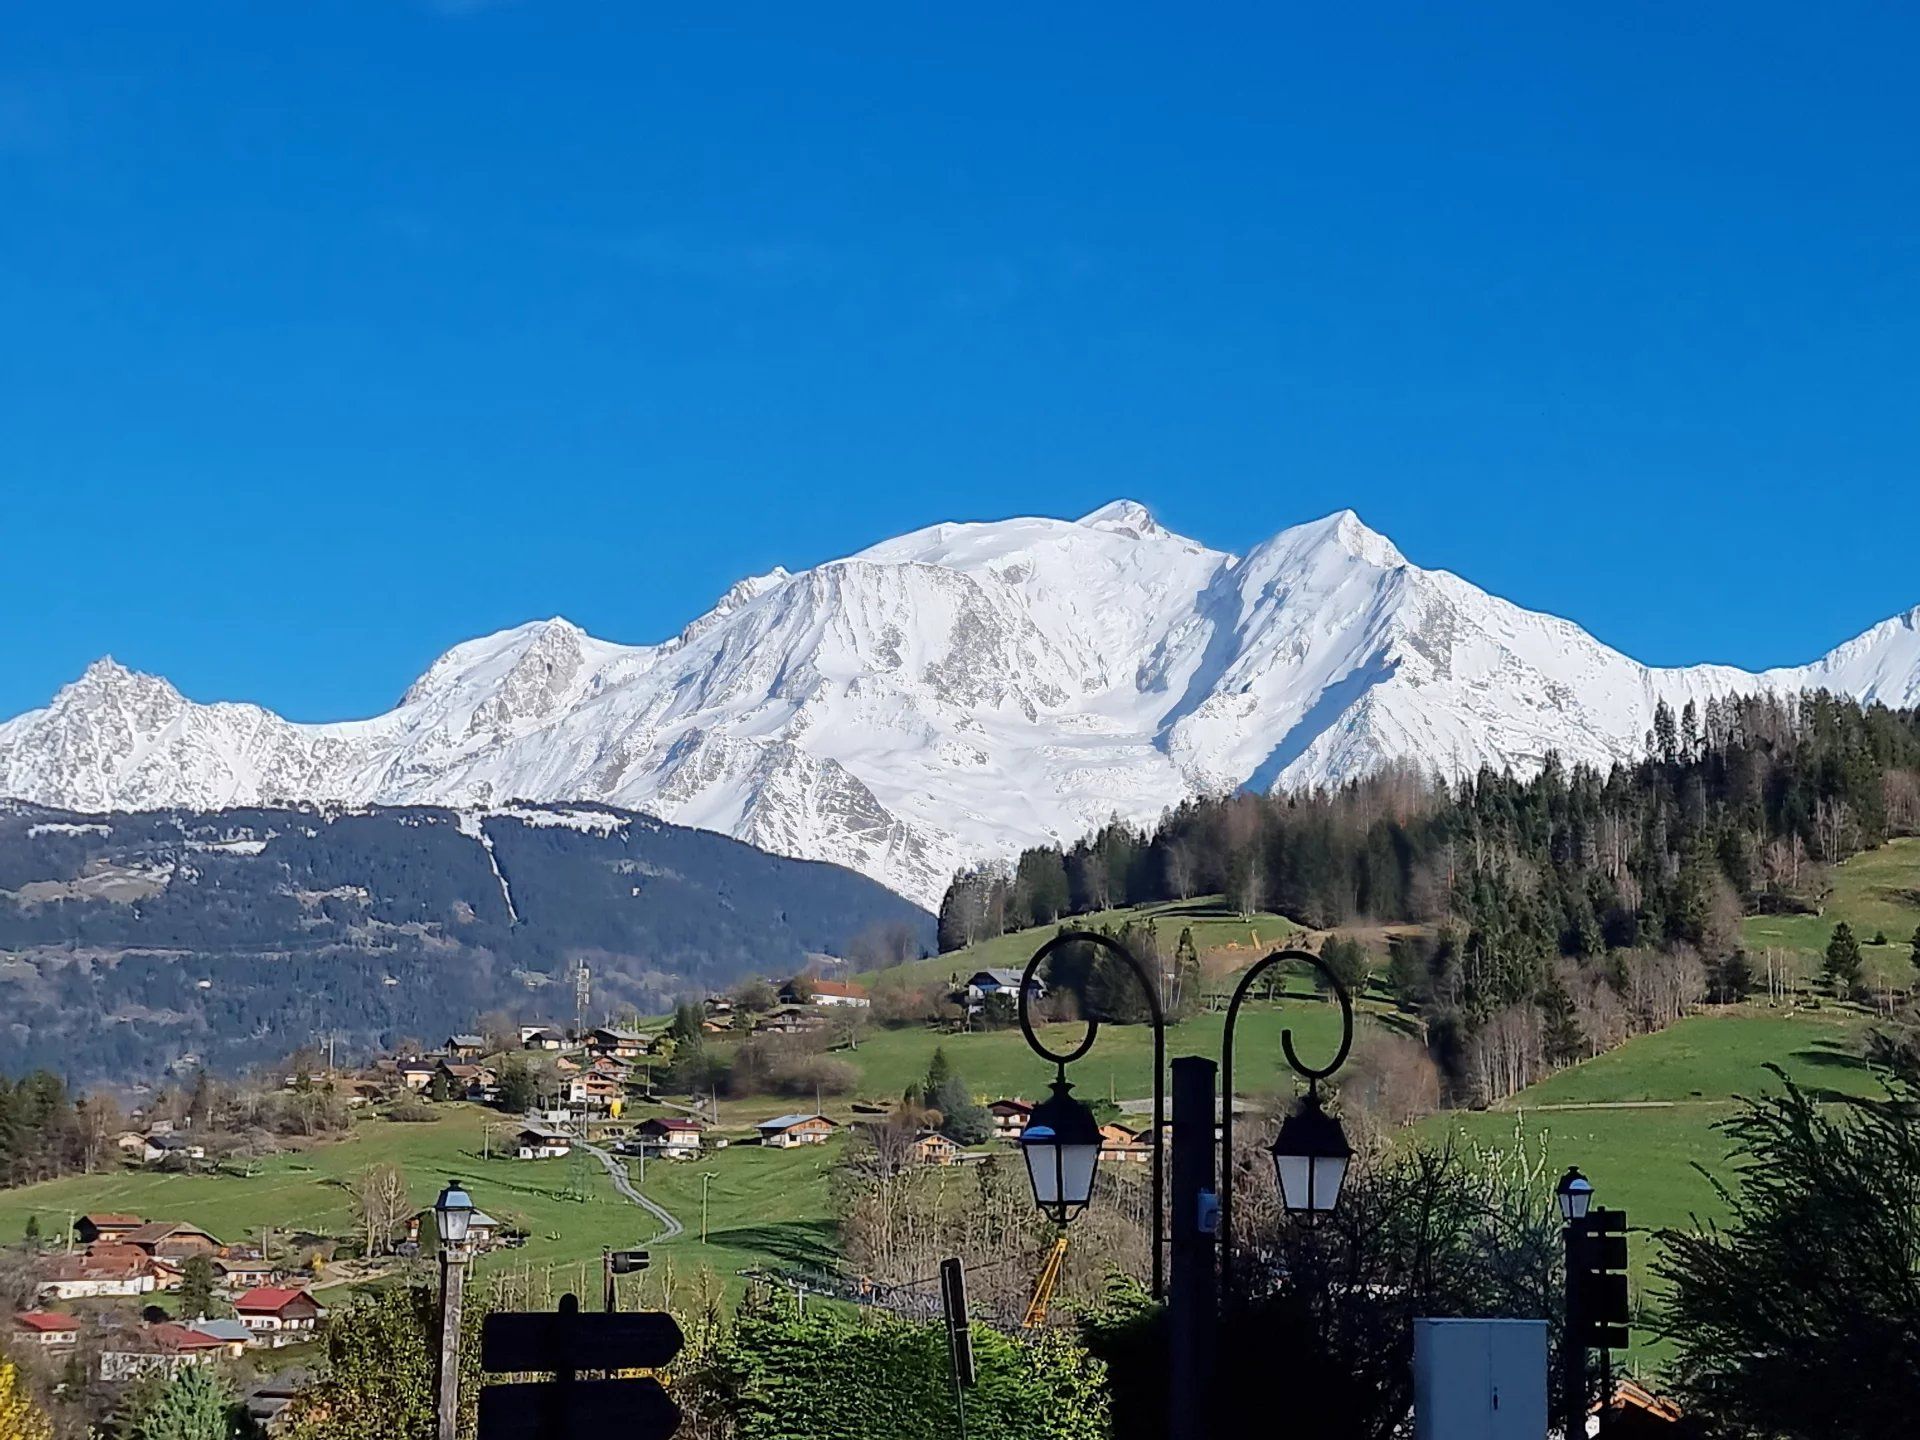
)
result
[(1344, 532), (1125, 516)]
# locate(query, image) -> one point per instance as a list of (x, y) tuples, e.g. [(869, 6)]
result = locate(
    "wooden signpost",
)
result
[(563, 1344)]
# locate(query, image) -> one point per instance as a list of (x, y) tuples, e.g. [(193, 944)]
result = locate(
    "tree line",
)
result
[(1560, 912)]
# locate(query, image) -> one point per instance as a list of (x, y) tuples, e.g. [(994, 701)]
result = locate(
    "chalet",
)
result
[(483, 1231), (466, 1047), (158, 1145), (541, 1037), (789, 1020), (89, 1228), (717, 1024), (469, 1081), (983, 985), (241, 1270), (170, 1240), (595, 1092), (674, 1137), (279, 1316), (1117, 1142), (1010, 1118), (166, 1348), (46, 1329), (617, 1044), (417, 1075), (233, 1335), (542, 1142), (718, 1005), (842, 993), (785, 1131), (930, 1147), (84, 1277)]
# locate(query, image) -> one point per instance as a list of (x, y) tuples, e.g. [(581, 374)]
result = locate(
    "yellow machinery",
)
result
[(1043, 1286)]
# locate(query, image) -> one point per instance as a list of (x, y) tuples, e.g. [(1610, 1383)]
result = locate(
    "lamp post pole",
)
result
[(1191, 1297), (1574, 1195), (452, 1213)]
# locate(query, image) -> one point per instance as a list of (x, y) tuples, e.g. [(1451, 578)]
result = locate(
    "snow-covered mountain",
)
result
[(946, 696)]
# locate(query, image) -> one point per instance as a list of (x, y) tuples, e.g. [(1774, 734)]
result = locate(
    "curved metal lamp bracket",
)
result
[(1121, 952), (1313, 1075)]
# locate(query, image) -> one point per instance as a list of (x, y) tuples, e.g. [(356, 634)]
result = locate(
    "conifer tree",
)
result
[(196, 1404), (1843, 959)]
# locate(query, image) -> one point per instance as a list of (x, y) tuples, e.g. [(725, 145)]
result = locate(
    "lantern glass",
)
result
[(452, 1213), (1310, 1158), (1061, 1146), (1575, 1194)]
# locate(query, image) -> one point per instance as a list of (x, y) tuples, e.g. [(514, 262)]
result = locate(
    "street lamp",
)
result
[(452, 1214), (1575, 1194), (452, 1217), (1311, 1153), (1061, 1146), (1063, 1149), (1310, 1157)]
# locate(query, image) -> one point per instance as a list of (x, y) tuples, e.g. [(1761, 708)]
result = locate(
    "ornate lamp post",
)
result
[(1064, 1148), (1574, 1194), (452, 1215), (1311, 1153), (1061, 1147)]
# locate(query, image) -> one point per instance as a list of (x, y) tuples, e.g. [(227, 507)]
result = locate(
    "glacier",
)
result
[(945, 697)]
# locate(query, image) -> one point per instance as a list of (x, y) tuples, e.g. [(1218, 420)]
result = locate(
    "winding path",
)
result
[(623, 1182)]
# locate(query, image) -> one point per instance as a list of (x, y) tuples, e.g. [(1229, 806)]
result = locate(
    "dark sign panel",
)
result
[(556, 1410), (639, 1340)]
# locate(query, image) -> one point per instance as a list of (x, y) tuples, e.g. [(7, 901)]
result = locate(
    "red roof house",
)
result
[(279, 1315), (48, 1328)]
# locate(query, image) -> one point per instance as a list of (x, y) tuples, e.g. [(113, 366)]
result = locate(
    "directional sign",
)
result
[(553, 1410), (625, 1262), (564, 1342)]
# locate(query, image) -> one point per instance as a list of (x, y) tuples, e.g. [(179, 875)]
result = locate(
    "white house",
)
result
[(278, 1316), (674, 1137), (983, 984), (46, 1329), (90, 1277), (541, 1142)]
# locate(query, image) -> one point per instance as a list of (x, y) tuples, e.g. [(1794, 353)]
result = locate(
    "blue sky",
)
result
[(333, 334)]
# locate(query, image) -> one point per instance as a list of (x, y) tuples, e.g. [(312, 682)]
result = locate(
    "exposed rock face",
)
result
[(947, 696)]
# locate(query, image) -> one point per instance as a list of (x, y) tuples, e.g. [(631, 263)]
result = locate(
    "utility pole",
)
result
[(706, 1180), (1195, 1213)]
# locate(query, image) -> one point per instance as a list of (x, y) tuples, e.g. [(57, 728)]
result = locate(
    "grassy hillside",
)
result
[(1876, 892), (1121, 1062), (1215, 928), (1640, 1119), (766, 1206), (1637, 1120)]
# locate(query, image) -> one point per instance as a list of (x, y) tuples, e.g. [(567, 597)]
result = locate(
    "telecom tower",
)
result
[(582, 992)]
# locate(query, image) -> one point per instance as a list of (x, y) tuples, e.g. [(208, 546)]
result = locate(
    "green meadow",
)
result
[(1877, 893)]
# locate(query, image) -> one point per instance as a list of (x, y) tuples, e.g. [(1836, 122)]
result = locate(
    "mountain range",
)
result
[(944, 697)]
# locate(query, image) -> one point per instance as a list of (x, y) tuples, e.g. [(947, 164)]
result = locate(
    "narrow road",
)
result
[(617, 1172)]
